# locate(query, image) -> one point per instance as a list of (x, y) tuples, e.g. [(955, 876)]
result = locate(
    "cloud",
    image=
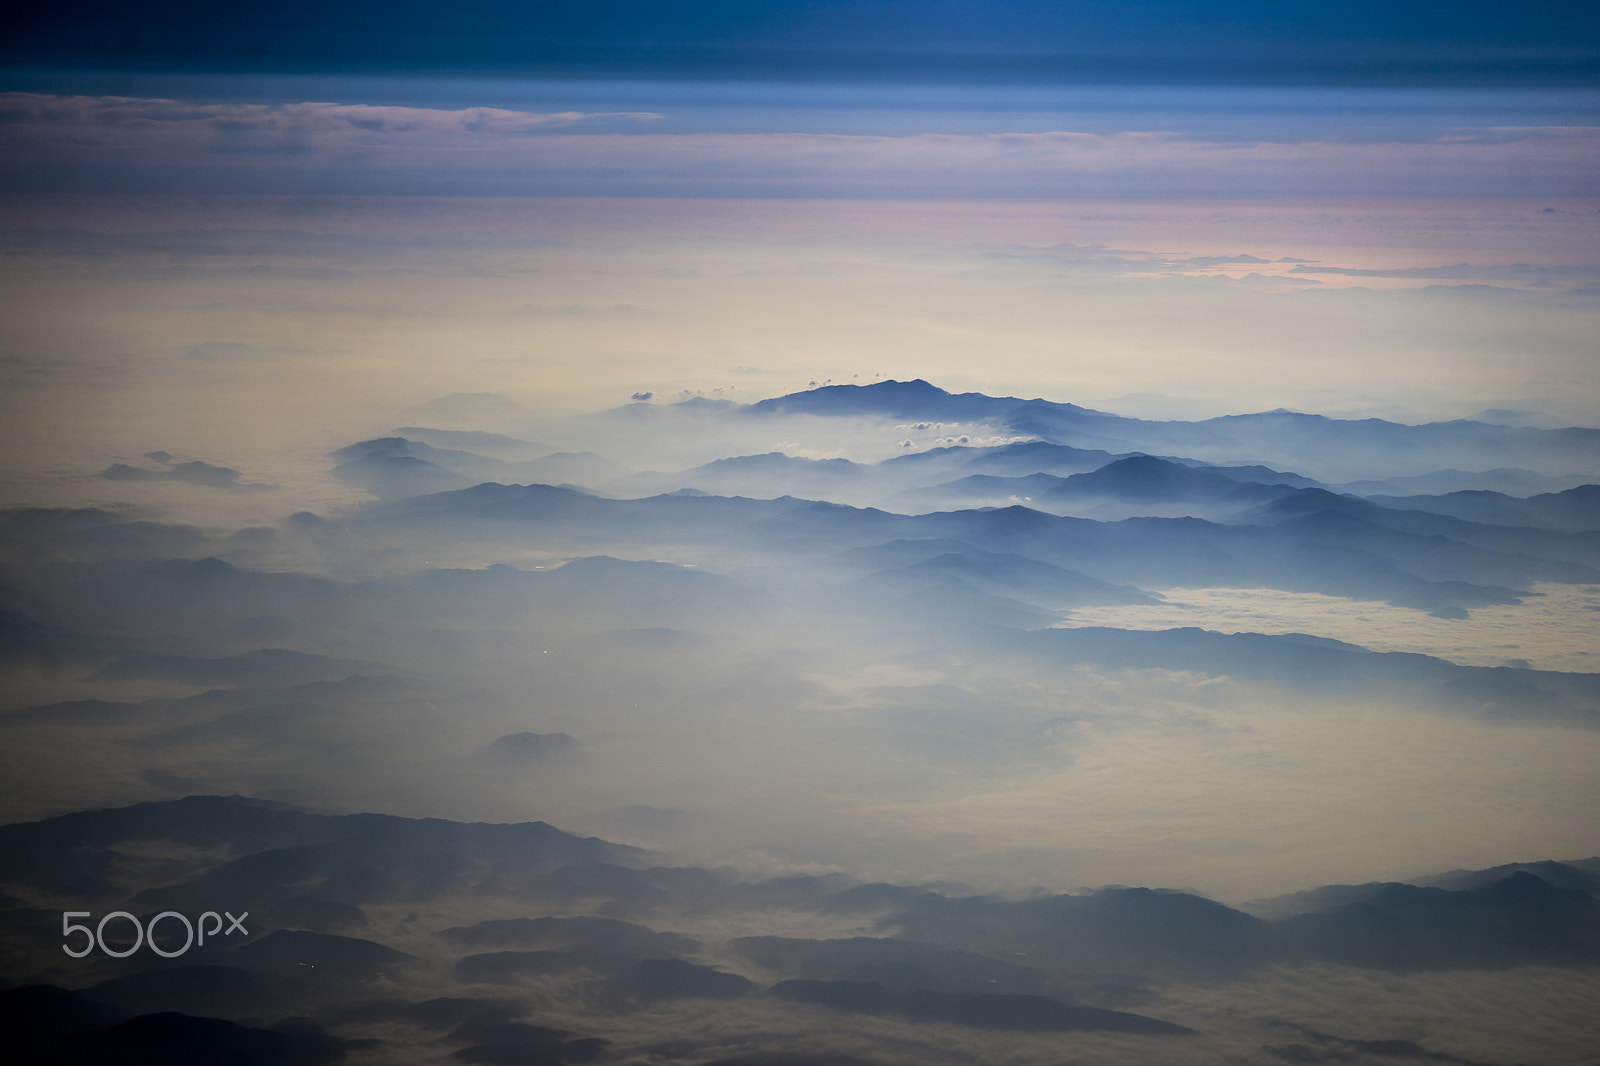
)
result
[(1458, 271), (1222, 260), (286, 127), (120, 143)]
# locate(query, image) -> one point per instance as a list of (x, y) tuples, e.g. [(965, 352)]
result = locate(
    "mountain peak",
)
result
[(915, 385), (914, 399)]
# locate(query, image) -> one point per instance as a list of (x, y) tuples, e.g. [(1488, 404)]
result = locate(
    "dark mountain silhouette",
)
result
[(362, 857), (193, 472), (1322, 665), (36, 1019), (783, 1058), (1255, 473), (930, 597), (1433, 557), (1517, 920), (1513, 481), (591, 518), (1547, 544), (535, 746), (1144, 477), (474, 441), (509, 967), (979, 1011), (1324, 1047), (646, 593), (1017, 459), (562, 933), (890, 399), (1161, 485), (1119, 931), (290, 953), (973, 961), (978, 489), (1314, 900), (396, 467), (67, 854), (503, 1043), (758, 476), (227, 991), (1576, 510), (378, 858), (192, 601), (1035, 456), (1577, 875), (1312, 555), (1026, 579), (583, 468), (901, 553), (24, 640), (1283, 433), (392, 477), (1316, 439), (315, 915), (862, 997), (901, 965), (652, 981), (455, 460), (89, 534), (775, 464), (174, 1039), (441, 1012), (1580, 875), (1031, 1013)]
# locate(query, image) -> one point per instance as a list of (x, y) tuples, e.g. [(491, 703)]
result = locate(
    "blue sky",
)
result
[(1105, 40)]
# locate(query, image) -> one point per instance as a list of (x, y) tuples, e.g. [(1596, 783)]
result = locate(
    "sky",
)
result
[(243, 248)]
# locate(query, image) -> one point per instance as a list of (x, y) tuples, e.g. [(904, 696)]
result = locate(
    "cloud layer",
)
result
[(121, 144)]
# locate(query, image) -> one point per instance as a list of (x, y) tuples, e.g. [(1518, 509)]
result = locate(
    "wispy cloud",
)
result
[(108, 114), (119, 142), (1457, 272)]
